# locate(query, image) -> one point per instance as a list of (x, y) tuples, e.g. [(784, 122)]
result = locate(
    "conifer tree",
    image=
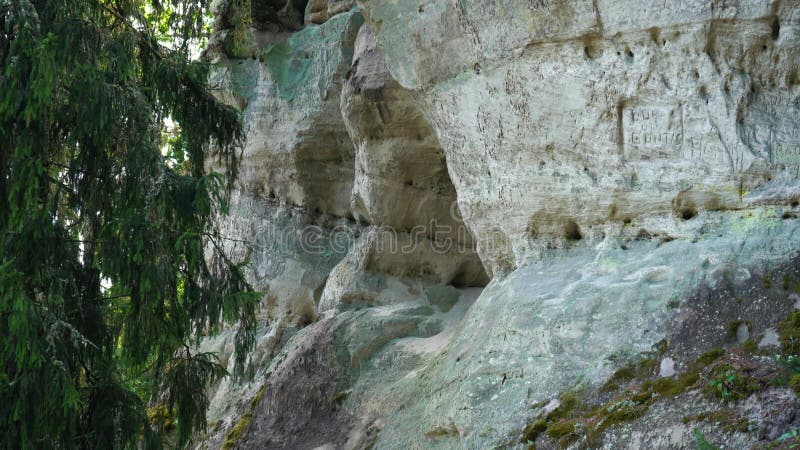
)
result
[(110, 263)]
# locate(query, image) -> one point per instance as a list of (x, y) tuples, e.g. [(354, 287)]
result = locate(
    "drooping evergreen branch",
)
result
[(110, 267)]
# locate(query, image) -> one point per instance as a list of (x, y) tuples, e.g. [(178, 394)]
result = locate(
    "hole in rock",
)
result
[(629, 53), (572, 231), (687, 213), (776, 28), (590, 50)]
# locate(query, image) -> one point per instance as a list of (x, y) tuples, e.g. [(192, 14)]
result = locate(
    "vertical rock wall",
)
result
[(559, 118), (625, 172)]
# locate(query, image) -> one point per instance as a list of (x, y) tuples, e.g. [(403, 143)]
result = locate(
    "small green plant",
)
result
[(792, 438), (726, 386), (790, 363), (701, 441), (790, 373)]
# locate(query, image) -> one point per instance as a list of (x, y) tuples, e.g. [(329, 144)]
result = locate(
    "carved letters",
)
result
[(652, 132)]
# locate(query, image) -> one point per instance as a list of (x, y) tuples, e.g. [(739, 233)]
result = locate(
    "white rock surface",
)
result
[(574, 114), (666, 368), (297, 148), (623, 170)]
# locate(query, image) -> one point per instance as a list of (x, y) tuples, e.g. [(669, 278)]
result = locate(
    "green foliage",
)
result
[(789, 363), (180, 377), (789, 374), (701, 442), (789, 332), (750, 346), (728, 384), (792, 438), (237, 42), (670, 387), (567, 402), (110, 263)]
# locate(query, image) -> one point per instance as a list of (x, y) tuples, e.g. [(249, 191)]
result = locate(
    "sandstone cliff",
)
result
[(475, 221)]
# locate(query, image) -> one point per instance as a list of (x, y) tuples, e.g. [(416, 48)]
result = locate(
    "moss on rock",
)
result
[(707, 358), (562, 429), (789, 333), (567, 401), (533, 430), (161, 417), (794, 382), (244, 422), (733, 327)]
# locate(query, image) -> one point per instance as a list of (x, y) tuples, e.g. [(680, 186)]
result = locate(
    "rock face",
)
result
[(297, 147), (319, 11), (401, 176), (624, 175), (560, 117)]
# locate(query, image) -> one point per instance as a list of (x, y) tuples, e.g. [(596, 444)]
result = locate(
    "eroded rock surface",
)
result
[(575, 114), (297, 147), (319, 11), (624, 172)]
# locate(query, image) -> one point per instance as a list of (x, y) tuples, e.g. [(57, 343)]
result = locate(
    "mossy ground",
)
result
[(730, 383), (533, 430), (564, 431), (635, 387), (794, 383), (789, 333)]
